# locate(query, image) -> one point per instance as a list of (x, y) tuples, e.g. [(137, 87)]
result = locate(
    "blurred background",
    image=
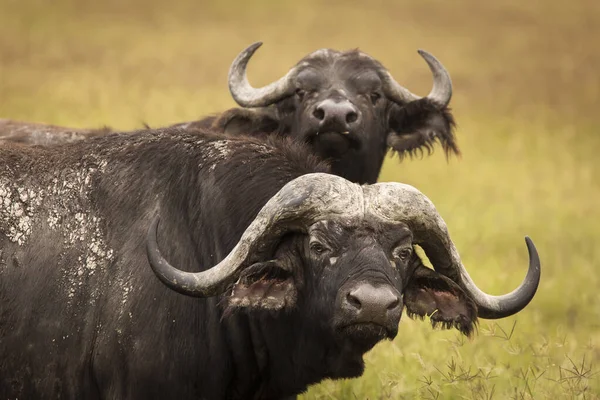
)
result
[(526, 82)]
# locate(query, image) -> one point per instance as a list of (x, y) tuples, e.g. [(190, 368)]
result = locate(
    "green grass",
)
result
[(526, 95)]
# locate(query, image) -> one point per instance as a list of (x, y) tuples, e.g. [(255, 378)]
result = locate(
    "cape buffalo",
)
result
[(346, 105), (310, 270)]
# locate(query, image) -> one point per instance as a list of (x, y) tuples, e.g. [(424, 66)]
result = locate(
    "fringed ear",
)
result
[(431, 294), (417, 126), (243, 121), (264, 286)]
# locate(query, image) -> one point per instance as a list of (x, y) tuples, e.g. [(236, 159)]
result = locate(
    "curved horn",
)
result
[(299, 203), (441, 93), (399, 202), (246, 95)]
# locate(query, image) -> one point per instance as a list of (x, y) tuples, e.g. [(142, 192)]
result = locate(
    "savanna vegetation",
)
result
[(526, 79)]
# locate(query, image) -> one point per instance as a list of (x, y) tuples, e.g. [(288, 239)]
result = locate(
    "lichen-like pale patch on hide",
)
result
[(215, 152), (17, 207), (60, 204), (218, 151)]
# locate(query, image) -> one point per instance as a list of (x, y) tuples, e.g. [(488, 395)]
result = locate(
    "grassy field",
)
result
[(527, 82)]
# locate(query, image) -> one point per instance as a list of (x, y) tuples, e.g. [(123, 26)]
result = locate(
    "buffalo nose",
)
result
[(336, 115), (373, 304)]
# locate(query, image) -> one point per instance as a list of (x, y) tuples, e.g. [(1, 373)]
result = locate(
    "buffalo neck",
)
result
[(207, 191)]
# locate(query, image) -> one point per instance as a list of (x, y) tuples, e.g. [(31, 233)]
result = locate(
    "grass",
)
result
[(526, 92)]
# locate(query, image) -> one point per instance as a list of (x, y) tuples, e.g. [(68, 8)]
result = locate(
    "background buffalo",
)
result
[(525, 97)]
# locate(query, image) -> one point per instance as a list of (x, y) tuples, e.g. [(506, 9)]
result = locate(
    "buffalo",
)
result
[(178, 264), (345, 105)]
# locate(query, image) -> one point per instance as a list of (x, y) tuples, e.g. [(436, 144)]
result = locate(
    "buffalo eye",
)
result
[(374, 97), (402, 253), (300, 93), (317, 248)]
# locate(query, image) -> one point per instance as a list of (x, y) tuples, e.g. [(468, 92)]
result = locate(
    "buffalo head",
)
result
[(347, 106), (342, 255)]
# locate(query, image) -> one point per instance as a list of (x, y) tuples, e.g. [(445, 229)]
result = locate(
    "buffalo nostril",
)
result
[(351, 117), (319, 114), (353, 301), (394, 304)]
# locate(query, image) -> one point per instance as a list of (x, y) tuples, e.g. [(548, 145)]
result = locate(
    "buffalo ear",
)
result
[(431, 294), (415, 127), (264, 286), (243, 121)]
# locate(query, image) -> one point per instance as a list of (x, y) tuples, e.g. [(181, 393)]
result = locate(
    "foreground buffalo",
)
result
[(346, 105), (310, 270)]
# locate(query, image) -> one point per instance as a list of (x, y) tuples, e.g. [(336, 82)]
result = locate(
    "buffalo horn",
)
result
[(297, 205), (246, 95), (400, 202), (440, 94)]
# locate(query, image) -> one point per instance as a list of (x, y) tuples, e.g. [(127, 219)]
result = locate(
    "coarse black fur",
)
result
[(82, 316)]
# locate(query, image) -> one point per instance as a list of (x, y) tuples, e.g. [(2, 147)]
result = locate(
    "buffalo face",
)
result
[(352, 281), (348, 107), (358, 275)]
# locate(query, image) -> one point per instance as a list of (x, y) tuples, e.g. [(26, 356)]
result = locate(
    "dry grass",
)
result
[(527, 84)]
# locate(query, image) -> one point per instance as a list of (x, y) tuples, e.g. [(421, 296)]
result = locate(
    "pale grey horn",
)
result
[(400, 202), (246, 95), (440, 94), (297, 205)]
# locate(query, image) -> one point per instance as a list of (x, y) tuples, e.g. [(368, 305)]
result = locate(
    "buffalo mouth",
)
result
[(333, 144), (364, 336)]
